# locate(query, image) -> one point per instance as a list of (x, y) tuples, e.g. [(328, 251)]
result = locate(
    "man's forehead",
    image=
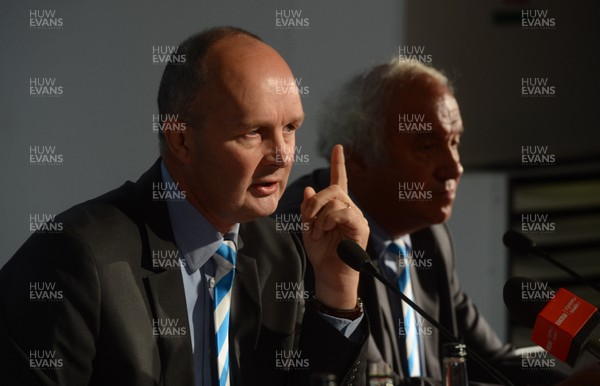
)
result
[(241, 52), (447, 109), (242, 70), (447, 102), (232, 45), (244, 61)]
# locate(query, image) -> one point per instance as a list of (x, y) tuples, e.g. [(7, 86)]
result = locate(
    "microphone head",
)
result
[(352, 254), (525, 298), (518, 242)]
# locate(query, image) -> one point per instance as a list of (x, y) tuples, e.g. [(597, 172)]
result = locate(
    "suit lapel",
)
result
[(166, 295), (168, 300)]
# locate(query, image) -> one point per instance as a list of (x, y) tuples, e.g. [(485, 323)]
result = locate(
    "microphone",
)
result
[(563, 324), (356, 258), (525, 299), (520, 243)]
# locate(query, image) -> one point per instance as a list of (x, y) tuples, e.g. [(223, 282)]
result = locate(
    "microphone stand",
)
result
[(518, 242)]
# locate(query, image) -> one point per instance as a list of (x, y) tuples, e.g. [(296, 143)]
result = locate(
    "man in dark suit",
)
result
[(401, 126), (123, 292)]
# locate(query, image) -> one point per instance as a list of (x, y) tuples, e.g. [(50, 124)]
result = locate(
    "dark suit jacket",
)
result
[(437, 290), (100, 330)]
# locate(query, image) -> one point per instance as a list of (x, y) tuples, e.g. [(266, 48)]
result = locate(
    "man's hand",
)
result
[(333, 217)]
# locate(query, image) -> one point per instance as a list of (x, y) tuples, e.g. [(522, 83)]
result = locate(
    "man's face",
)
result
[(417, 184), (241, 154)]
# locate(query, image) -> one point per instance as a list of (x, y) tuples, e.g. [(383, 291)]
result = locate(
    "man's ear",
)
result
[(178, 140)]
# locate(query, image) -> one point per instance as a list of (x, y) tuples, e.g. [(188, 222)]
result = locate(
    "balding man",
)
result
[(177, 279)]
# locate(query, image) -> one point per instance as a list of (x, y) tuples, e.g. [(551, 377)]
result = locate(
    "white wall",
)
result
[(479, 219)]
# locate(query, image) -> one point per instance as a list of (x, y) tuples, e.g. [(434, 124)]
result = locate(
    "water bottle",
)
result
[(380, 374), (455, 365), (323, 379)]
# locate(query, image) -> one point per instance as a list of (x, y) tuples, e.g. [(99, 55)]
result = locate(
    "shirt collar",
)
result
[(195, 236)]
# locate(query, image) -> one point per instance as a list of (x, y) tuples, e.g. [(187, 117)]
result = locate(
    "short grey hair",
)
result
[(354, 115)]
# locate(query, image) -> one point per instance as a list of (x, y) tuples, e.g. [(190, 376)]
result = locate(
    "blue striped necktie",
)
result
[(400, 249), (225, 262)]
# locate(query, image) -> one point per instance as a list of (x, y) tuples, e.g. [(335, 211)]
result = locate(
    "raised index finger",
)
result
[(338, 168)]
